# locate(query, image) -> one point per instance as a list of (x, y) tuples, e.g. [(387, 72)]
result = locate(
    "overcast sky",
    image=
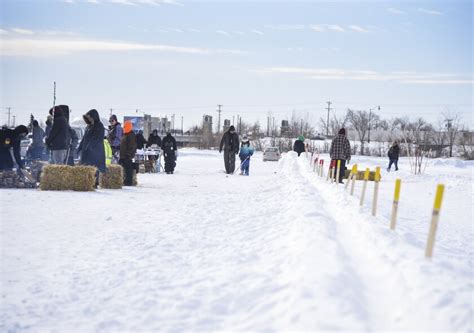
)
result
[(167, 57)]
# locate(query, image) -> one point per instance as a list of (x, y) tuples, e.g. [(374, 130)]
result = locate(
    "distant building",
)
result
[(147, 124)]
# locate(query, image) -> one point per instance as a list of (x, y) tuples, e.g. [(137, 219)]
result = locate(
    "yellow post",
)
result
[(376, 191), (434, 220), (396, 197), (354, 177), (338, 171), (364, 187)]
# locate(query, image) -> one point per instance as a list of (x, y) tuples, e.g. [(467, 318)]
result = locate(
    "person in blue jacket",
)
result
[(245, 152)]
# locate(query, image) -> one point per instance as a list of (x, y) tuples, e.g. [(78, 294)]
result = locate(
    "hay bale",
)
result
[(112, 178), (82, 177), (65, 177)]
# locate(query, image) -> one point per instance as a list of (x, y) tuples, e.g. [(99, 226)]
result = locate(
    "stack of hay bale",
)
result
[(65, 177)]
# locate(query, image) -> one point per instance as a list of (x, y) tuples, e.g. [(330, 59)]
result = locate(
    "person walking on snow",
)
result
[(245, 152), (298, 146), (340, 151), (230, 144), (393, 154), (170, 152), (128, 148)]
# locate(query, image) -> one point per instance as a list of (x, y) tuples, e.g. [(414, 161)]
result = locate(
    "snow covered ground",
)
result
[(279, 250)]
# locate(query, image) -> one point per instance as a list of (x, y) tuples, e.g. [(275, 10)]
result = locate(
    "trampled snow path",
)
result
[(278, 250)]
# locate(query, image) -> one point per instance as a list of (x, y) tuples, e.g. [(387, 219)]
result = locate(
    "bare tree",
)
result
[(359, 121), (452, 123)]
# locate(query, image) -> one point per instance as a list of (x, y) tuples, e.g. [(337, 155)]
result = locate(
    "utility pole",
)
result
[(13, 121), (111, 111), (172, 123), (9, 112), (219, 119), (327, 123)]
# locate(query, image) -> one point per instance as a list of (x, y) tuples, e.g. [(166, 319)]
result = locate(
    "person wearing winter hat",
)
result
[(170, 152), (11, 138), (128, 148), (246, 151), (230, 144), (299, 146), (340, 151)]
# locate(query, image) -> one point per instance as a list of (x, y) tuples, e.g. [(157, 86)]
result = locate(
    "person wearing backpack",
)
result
[(168, 145), (393, 154)]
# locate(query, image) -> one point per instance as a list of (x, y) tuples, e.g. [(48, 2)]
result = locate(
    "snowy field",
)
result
[(279, 250)]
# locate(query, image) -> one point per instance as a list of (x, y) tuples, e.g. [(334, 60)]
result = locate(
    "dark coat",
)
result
[(11, 139), (394, 152), (230, 142), (92, 144), (340, 148), (58, 138), (169, 144), (141, 141), (128, 146), (154, 139), (299, 147)]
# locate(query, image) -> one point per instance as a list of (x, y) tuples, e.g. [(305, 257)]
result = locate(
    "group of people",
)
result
[(340, 152), (60, 142), (231, 146)]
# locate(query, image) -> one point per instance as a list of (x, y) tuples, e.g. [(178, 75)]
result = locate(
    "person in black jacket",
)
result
[(11, 138), (298, 146), (91, 148), (169, 147), (393, 154), (154, 139), (141, 141), (58, 138), (230, 143)]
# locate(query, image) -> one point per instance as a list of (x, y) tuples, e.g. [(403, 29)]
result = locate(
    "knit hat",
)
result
[(113, 118), (342, 131), (231, 128), (301, 138), (127, 127)]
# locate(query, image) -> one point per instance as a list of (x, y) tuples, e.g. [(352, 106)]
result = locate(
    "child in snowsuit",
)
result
[(245, 152)]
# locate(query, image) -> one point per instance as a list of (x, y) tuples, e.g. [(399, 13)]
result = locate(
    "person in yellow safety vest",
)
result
[(108, 152)]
